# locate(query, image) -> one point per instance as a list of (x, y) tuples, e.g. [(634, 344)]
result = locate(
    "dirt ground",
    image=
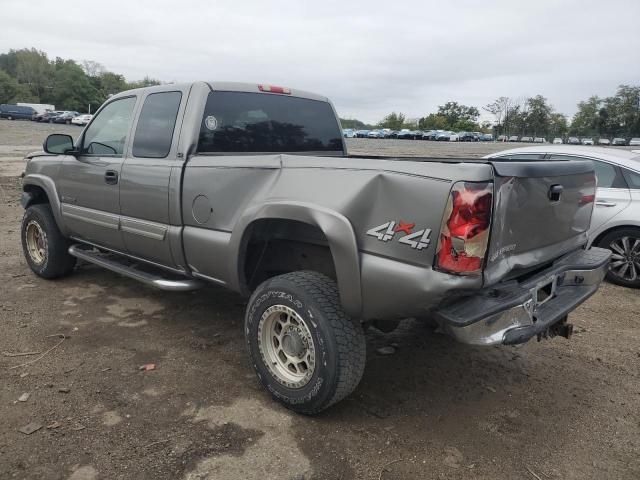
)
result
[(435, 410)]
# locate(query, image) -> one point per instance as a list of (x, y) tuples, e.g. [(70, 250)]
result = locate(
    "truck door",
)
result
[(146, 220), (90, 182)]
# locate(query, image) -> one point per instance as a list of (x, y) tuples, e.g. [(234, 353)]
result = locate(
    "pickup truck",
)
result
[(250, 187)]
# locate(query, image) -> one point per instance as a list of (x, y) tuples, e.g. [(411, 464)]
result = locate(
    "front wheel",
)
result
[(43, 245), (304, 348), (624, 266)]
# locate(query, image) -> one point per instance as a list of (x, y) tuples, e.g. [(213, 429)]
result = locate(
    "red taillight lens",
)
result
[(464, 234)]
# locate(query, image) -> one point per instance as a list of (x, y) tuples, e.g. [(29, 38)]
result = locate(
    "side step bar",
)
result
[(181, 285)]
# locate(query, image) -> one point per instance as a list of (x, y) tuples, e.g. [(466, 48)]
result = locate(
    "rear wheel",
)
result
[(43, 245), (624, 266), (305, 350)]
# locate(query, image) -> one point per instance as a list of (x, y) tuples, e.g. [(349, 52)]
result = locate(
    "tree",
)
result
[(586, 119), (538, 119), (353, 124), (92, 69), (394, 121), (33, 69), (558, 126), (433, 121), (454, 113), (8, 87), (502, 109), (72, 89), (111, 83), (145, 82)]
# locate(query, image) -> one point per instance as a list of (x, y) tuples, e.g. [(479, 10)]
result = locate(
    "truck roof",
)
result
[(227, 87)]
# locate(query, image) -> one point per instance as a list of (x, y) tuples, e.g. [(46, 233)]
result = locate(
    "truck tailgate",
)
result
[(542, 210)]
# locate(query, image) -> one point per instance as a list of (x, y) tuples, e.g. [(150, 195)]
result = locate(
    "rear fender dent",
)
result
[(337, 229)]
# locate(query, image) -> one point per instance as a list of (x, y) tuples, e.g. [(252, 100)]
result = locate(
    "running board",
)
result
[(181, 285)]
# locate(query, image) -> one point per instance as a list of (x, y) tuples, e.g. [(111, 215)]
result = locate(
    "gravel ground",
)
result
[(552, 410)]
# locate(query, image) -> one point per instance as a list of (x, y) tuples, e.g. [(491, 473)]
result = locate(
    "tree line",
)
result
[(615, 116), (28, 76)]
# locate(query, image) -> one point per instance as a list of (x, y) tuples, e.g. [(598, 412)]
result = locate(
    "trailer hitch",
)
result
[(559, 329)]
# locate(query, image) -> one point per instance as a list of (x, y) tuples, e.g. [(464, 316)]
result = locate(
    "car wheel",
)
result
[(68, 122), (9, 117), (43, 245), (304, 348), (50, 121), (624, 266)]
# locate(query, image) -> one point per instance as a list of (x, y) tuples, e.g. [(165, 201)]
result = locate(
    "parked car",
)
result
[(514, 138), (539, 140), (502, 138), (375, 134), (526, 139), (557, 141), (618, 141), (615, 223), (587, 141), (362, 133), (315, 259), (486, 137), (348, 133), (466, 137), (65, 117), (573, 141), (46, 116), (406, 134), (604, 141), (81, 119), (444, 136), (16, 112), (634, 142)]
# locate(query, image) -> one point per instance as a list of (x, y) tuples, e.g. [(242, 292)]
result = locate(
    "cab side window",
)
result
[(157, 121), (108, 131)]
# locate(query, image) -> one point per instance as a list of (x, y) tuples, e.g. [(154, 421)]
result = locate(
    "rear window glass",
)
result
[(236, 122)]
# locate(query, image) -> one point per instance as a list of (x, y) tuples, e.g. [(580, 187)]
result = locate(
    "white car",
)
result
[(587, 141), (81, 119), (604, 141), (557, 141), (634, 142), (615, 222)]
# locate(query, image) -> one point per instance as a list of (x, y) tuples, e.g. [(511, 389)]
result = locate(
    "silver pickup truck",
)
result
[(250, 187)]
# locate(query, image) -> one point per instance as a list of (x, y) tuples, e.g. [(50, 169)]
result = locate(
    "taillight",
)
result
[(464, 233), (274, 89)]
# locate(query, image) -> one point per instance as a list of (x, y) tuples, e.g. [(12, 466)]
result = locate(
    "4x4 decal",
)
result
[(387, 231)]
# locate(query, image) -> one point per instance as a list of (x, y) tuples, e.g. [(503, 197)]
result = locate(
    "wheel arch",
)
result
[(623, 226), (41, 189), (335, 227)]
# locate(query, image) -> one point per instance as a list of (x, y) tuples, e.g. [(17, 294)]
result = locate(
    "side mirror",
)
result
[(58, 144)]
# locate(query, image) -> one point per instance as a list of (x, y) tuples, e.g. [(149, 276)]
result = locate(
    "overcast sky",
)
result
[(368, 57)]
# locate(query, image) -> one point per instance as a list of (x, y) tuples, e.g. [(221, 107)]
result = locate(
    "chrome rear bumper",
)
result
[(514, 312)]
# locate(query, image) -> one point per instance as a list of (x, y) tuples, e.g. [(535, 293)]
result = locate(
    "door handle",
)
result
[(602, 203), (111, 177)]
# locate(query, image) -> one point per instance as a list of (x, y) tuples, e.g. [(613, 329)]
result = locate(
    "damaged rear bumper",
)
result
[(514, 312)]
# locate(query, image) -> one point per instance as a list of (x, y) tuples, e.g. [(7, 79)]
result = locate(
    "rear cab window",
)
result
[(244, 122)]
